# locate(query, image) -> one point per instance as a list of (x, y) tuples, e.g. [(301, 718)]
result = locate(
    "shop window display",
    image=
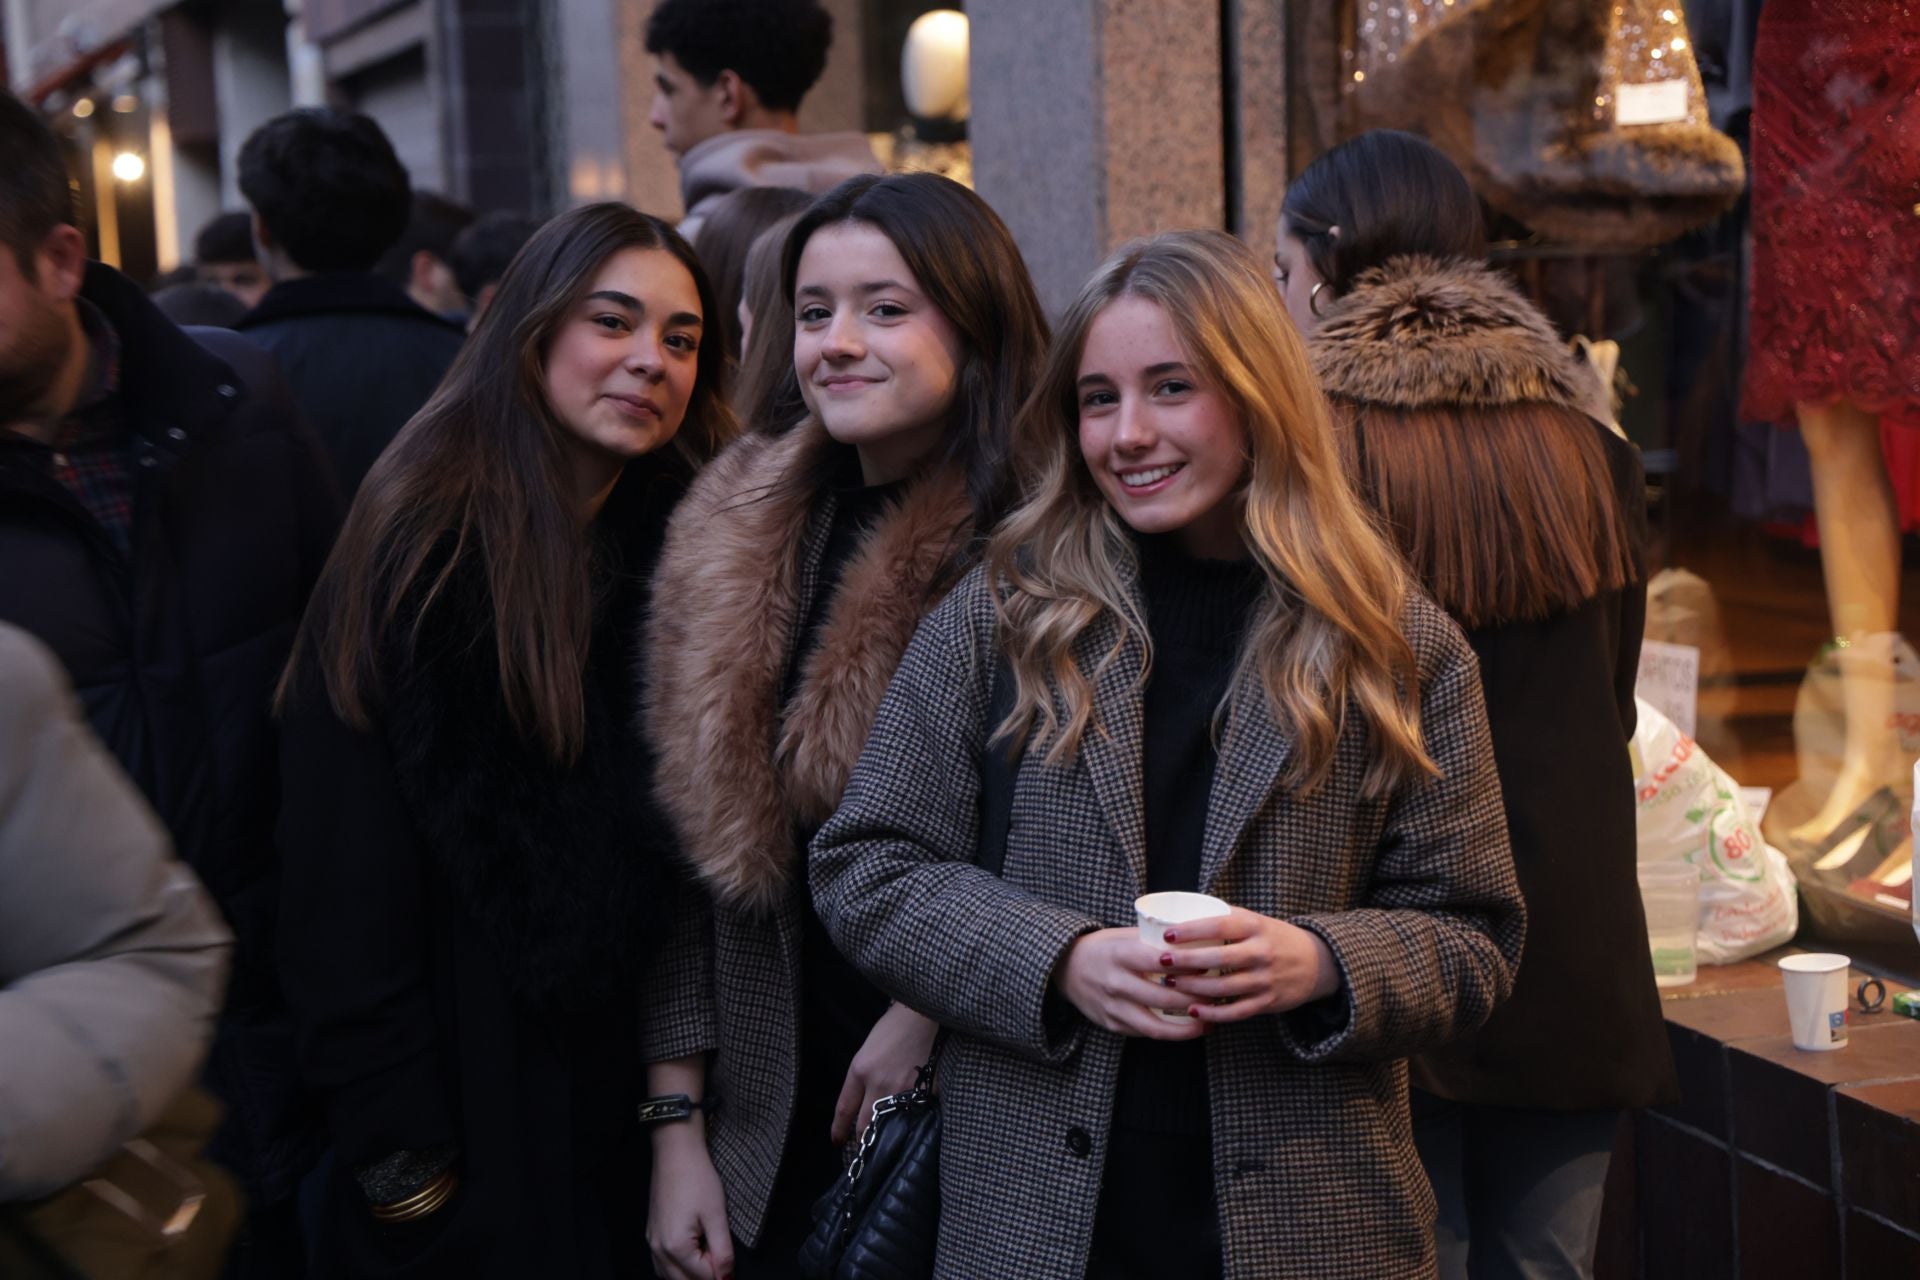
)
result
[(1722, 198)]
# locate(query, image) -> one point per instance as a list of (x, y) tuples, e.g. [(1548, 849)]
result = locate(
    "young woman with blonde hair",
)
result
[(1220, 680)]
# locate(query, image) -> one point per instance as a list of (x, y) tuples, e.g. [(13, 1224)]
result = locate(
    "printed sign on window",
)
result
[(1670, 679)]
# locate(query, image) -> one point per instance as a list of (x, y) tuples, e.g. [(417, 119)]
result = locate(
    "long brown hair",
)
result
[(477, 477), (765, 396), (1505, 512), (1327, 639), (725, 239)]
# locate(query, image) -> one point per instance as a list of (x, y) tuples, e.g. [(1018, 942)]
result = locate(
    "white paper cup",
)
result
[(1158, 912), (1816, 999)]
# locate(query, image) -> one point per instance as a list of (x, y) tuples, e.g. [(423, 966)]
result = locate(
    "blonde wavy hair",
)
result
[(1326, 640)]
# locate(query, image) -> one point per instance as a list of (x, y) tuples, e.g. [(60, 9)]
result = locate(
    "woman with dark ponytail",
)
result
[(1466, 424)]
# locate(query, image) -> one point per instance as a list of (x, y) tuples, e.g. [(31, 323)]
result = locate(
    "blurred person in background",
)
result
[(421, 260), (766, 397), (728, 79), (735, 222), (329, 197), (481, 253), (224, 257), (163, 515)]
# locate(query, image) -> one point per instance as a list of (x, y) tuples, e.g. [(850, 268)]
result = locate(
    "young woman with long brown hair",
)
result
[(1465, 424), (794, 575), (472, 882), (1217, 678)]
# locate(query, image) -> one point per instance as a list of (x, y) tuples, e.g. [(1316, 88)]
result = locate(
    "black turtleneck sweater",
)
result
[(1197, 613), (838, 1006)]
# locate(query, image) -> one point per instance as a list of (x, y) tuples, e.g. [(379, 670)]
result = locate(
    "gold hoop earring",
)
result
[(1313, 299)]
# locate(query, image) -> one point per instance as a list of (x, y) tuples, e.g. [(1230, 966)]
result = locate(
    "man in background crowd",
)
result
[(163, 516), (223, 256), (329, 196), (421, 261), (481, 253), (728, 79)]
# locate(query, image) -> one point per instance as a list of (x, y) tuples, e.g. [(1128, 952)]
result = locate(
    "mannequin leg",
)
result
[(1860, 555)]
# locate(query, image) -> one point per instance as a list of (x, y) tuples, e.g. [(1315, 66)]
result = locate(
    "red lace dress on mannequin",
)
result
[(1835, 309)]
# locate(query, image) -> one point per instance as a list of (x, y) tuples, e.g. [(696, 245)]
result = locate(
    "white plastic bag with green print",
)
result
[(1689, 810)]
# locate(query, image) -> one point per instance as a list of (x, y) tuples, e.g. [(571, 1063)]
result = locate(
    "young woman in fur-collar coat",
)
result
[(794, 575), (471, 873), (1467, 425)]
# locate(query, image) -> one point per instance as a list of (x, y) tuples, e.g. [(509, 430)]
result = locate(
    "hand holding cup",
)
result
[(1242, 964)]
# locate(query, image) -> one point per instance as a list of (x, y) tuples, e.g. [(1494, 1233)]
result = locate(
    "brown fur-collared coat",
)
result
[(1584, 1027), (1314, 1169), (737, 775)]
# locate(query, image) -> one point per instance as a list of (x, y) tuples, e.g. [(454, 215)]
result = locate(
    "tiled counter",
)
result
[(1777, 1162)]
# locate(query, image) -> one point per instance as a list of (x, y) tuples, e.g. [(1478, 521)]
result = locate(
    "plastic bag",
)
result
[(1688, 810)]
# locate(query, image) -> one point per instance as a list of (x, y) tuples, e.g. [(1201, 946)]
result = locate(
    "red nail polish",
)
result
[(1172, 981), (1166, 959), (1171, 936), (1193, 1011)]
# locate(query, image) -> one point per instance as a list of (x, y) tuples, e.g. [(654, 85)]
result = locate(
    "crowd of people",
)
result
[(625, 698)]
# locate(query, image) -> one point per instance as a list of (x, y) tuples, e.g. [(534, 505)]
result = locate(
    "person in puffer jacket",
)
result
[(113, 960)]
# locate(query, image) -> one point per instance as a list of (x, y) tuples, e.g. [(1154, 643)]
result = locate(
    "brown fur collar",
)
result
[(734, 774), (1417, 332)]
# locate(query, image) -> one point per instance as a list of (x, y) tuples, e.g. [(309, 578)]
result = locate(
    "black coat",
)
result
[(461, 932), (174, 650), (1575, 1033), (361, 357)]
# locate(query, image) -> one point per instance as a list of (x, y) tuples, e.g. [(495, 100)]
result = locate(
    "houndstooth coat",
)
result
[(1314, 1166)]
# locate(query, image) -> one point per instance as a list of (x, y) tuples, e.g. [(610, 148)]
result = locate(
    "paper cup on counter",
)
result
[(1816, 986), (1158, 912)]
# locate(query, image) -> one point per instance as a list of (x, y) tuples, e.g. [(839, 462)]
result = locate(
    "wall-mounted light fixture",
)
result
[(933, 66)]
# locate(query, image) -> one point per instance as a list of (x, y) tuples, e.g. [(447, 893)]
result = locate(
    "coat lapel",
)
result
[(1253, 754), (1114, 747)]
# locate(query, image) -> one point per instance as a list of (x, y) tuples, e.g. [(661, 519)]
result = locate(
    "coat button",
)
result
[(1079, 1142), (226, 389)]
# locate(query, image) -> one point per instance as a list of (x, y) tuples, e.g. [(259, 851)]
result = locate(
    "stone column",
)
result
[(1257, 128), (1095, 121)]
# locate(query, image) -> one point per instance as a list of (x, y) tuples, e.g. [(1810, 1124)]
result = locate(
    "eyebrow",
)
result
[(871, 286), (1151, 371), (631, 303)]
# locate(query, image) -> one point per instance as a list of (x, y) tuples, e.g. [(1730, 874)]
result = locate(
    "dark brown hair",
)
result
[(478, 477), (723, 241), (1390, 194), (766, 397), (968, 265), (1505, 513)]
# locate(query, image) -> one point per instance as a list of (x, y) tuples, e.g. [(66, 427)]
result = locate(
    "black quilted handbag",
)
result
[(878, 1222)]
